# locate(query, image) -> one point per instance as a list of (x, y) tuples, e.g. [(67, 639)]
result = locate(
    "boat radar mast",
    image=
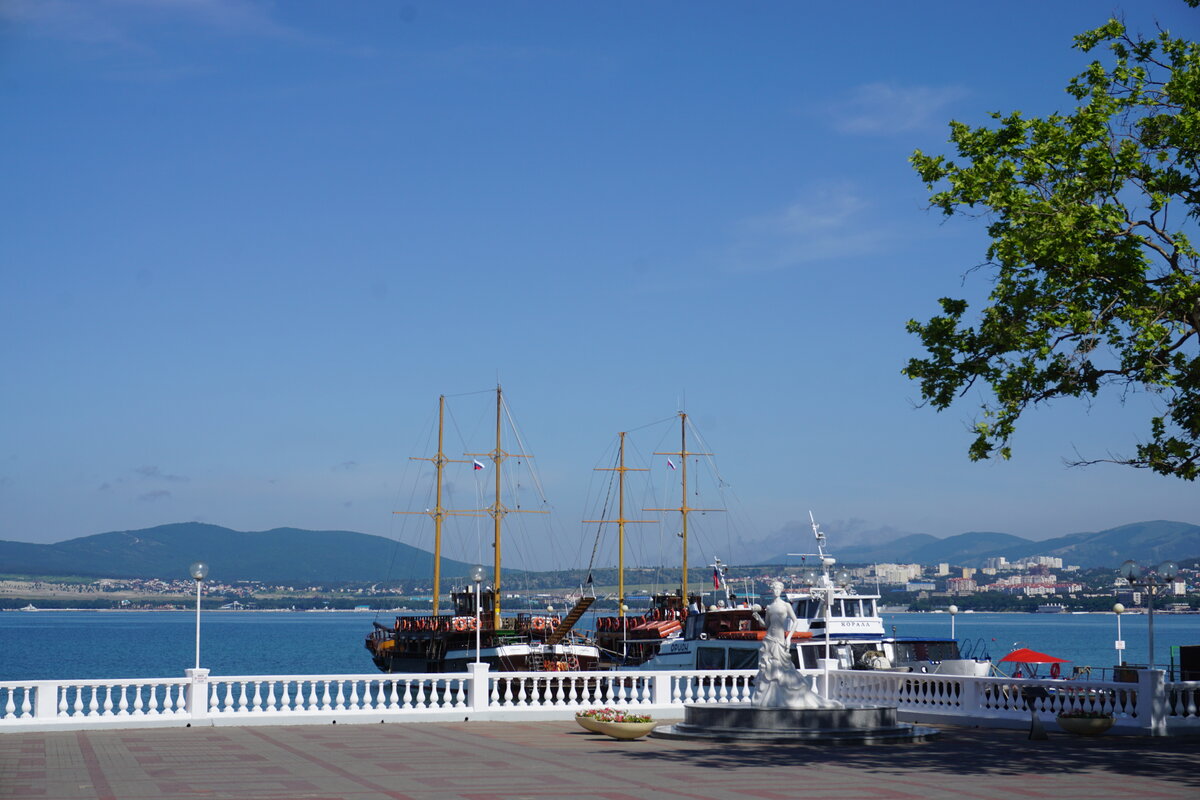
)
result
[(826, 561)]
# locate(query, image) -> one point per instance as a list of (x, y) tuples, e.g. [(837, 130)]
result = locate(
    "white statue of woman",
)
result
[(778, 683)]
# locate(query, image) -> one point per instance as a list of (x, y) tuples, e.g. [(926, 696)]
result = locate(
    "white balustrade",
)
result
[(1183, 700), (94, 700), (1148, 706)]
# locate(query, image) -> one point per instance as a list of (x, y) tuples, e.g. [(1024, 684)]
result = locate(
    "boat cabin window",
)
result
[(806, 657), (941, 651), (710, 658), (693, 625), (808, 609), (464, 602), (853, 608), (925, 651), (865, 654), (743, 658)]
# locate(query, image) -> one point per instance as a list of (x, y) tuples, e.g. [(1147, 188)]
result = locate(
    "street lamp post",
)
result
[(953, 609), (1152, 582), (477, 576), (1119, 644), (199, 571)]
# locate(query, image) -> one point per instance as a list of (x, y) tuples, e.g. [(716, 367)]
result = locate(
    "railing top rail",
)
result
[(375, 677), (367, 676), (95, 682)]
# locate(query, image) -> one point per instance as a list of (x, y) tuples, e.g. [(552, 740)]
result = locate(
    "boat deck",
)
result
[(506, 761)]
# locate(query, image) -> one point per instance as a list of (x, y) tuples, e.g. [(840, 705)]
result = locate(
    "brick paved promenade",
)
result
[(510, 761)]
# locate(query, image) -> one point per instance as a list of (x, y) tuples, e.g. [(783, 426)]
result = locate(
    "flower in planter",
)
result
[(613, 715)]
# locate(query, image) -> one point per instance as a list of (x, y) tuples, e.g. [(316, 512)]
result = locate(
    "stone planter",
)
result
[(1085, 726), (587, 723), (622, 730)]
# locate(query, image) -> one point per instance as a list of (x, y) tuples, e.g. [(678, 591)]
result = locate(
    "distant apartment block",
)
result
[(961, 585), (897, 573), (1050, 562)]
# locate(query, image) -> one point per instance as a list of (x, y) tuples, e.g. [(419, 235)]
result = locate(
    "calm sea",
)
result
[(155, 644)]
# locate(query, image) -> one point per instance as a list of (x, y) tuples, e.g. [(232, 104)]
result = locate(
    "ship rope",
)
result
[(605, 508)]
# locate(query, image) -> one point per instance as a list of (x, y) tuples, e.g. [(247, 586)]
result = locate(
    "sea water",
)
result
[(64, 645)]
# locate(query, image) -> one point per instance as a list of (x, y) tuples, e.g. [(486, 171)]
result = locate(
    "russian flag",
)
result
[(670, 463), (716, 579), (478, 464)]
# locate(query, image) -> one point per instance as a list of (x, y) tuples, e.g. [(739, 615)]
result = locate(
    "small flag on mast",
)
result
[(716, 578), (670, 463), (478, 464)]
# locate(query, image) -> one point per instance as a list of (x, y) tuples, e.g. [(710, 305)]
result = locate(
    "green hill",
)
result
[(281, 556), (291, 556), (1145, 542)]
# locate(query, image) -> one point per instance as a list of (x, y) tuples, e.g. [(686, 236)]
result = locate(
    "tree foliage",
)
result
[(1092, 217)]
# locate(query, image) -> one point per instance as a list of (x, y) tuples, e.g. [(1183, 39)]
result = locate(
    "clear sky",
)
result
[(244, 245)]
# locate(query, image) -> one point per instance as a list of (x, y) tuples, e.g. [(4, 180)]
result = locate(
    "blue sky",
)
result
[(245, 246)]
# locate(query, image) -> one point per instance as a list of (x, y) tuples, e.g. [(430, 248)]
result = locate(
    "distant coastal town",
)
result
[(1029, 584)]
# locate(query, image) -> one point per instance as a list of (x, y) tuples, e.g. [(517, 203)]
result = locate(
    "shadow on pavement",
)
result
[(958, 753)]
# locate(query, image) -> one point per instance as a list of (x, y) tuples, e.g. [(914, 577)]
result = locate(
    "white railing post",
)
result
[(478, 695), (197, 698), (45, 699), (825, 679), (969, 697), (661, 688), (1152, 702)]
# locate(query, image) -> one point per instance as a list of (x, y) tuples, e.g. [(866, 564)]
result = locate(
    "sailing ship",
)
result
[(476, 630)]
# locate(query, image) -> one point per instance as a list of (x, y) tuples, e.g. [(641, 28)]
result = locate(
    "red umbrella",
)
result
[(1027, 656)]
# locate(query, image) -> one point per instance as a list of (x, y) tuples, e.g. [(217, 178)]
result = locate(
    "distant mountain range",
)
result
[(287, 556), (1146, 542), (291, 556)]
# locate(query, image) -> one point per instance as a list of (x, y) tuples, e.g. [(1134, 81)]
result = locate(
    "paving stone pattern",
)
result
[(539, 760)]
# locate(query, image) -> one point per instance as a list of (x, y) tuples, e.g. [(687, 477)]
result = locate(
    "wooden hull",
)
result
[(452, 651)]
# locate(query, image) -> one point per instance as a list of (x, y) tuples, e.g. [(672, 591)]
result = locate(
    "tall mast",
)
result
[(497, 516), (620, 469), (438, 513), (497, 510), (437, 520), (684, 509)]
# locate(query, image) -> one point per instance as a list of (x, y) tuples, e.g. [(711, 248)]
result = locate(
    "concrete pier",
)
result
[(544, 760)]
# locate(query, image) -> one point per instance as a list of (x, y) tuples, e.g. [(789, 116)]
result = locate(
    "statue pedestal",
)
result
[(742, 722)]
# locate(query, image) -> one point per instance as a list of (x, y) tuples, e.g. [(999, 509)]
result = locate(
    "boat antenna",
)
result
[(817, 533), (825, 560)]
